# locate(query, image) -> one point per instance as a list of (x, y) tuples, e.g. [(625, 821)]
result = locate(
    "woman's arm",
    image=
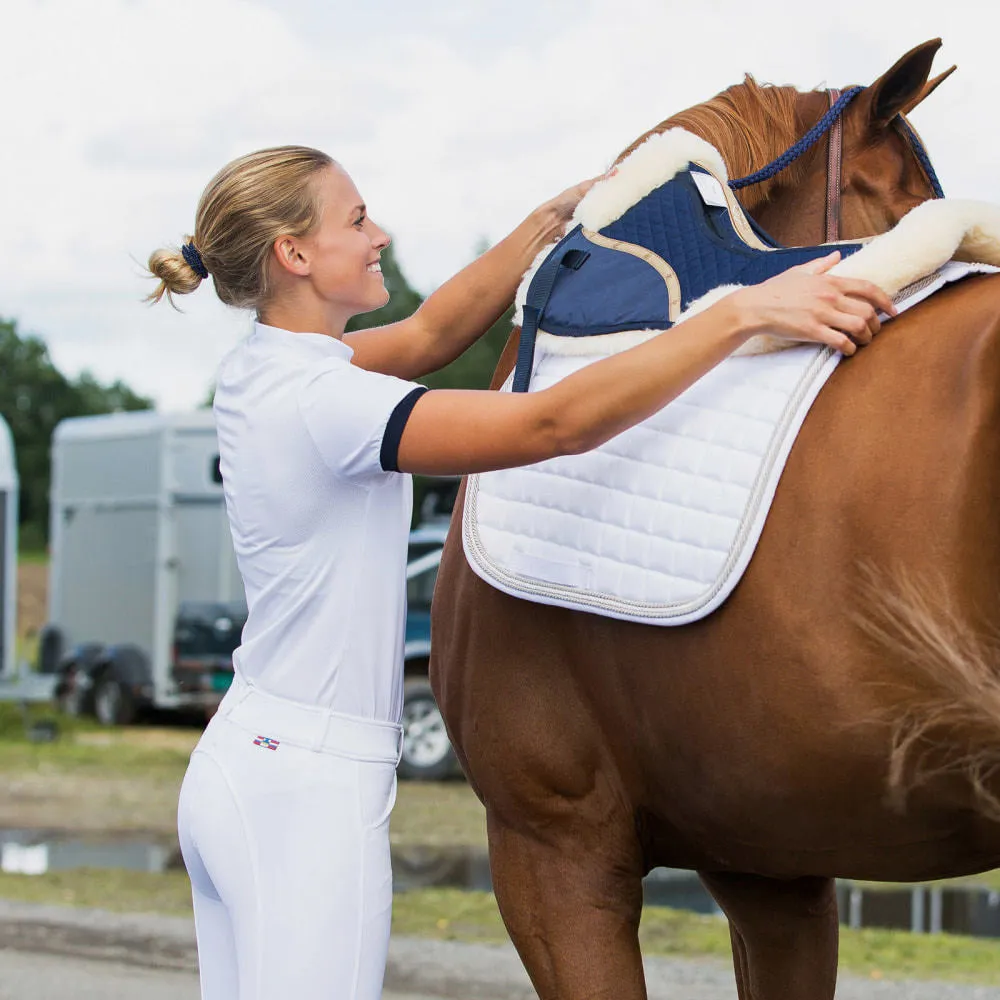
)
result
[(453, 431), (465, 307)]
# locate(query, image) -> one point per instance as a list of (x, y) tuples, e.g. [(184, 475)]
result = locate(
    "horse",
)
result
[(839, 715)]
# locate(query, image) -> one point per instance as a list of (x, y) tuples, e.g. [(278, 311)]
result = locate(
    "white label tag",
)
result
[(710, 189)]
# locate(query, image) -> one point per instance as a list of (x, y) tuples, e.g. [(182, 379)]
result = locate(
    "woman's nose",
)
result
[(381, 238)]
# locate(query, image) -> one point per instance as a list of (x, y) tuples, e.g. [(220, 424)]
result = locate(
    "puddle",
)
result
[(33, 852), (969, 911)]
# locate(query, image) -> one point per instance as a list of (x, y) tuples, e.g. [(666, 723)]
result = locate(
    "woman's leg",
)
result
[(217, 961), (295, 844)]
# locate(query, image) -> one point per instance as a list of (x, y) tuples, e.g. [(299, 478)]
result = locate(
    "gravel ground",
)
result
[(158, 953), (26, 976)]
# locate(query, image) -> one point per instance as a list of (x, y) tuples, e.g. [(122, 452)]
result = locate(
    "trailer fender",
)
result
[(130, 665), (75, 669), (123, 685)]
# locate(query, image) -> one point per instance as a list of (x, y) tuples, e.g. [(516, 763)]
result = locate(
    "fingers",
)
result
[(821, 265), (857, 319), (837, 340), (866, 291)]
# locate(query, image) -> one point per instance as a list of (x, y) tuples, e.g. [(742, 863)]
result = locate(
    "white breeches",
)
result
[(288, 850)]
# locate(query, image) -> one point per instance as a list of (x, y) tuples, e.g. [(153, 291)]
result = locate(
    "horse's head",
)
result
[(882, 177)]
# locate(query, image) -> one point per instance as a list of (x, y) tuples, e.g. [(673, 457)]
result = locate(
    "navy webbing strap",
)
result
[(538, 295)]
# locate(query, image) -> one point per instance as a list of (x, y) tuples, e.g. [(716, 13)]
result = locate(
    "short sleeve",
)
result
[(356, 417)]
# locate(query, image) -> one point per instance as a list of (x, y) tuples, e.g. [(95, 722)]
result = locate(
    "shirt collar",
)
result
[(313, 344)]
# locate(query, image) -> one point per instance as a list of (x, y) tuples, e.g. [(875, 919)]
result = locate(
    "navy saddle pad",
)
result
[(646, 267)]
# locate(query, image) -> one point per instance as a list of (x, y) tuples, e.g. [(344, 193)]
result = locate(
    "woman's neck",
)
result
[(302, 317)]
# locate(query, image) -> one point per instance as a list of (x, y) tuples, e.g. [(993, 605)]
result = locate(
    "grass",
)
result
[(33, 556), (105, 889), (84, 748), (454, 915)]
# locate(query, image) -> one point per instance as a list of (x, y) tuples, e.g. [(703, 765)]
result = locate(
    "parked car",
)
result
[(427, 751)]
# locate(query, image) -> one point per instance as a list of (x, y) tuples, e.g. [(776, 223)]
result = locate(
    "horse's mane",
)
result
[(749, 124)]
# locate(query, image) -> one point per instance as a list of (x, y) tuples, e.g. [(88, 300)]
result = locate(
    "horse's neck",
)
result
[(795, 218)]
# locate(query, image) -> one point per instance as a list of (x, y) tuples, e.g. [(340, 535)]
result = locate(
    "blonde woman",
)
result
[(283, 815)]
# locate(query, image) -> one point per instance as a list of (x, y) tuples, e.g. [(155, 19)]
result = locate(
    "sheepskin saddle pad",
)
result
[(659, 524)]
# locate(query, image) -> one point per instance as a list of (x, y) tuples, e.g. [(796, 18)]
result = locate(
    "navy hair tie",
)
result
[(190, 254)]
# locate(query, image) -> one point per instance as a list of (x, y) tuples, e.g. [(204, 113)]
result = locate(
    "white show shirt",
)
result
[(319, 526)]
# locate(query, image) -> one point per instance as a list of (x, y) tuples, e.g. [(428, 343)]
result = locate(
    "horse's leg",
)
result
[(573, 915), (789, 932), (740, 962)]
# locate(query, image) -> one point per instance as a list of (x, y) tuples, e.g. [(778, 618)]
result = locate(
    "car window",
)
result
[(421, 575)]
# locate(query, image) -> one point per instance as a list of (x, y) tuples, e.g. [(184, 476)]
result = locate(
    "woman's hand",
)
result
[(564, 205), (806, 303)]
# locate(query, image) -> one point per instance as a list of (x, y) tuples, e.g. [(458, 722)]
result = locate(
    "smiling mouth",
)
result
[(375, 268)]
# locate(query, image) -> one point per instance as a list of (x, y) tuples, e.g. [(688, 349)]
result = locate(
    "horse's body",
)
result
[(760, 746)]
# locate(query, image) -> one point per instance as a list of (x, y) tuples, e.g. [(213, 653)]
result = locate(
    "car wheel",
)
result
[(113, 702), (427, 751)]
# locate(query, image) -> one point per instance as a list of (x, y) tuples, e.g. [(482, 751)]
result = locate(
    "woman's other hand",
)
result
[(563, 205), (808, 304)]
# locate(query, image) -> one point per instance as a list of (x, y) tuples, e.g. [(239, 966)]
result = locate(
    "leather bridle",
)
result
[(832, 123), (834, 163)]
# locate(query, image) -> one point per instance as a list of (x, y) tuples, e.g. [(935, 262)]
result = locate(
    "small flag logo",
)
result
[(266, 742)]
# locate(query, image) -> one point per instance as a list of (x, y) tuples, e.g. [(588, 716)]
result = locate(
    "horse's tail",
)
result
[(948, 718)]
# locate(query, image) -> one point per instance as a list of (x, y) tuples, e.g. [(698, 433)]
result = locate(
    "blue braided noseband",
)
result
[(921, 155), (190, 254), (806, 142), (819, 130)]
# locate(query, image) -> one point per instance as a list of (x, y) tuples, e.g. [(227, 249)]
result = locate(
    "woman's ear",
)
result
[(291, 255)]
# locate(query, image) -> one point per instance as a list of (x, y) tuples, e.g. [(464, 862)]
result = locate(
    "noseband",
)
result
[(833, 123)]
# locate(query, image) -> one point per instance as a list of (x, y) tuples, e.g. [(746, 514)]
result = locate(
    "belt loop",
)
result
[(399, 746), (323, 731)]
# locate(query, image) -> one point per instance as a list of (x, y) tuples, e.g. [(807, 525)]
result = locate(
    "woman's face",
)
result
[(343, 251)]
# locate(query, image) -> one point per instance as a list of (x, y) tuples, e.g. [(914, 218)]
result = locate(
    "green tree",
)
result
[(403, 299), (474, 369), (34, 397)]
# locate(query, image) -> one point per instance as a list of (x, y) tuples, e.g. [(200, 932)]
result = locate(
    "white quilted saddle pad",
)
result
[(658, 524)]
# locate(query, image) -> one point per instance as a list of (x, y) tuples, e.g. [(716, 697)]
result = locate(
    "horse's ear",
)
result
[(902, 86), (929, 87)]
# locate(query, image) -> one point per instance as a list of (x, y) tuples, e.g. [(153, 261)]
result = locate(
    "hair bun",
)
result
[(176, 273)]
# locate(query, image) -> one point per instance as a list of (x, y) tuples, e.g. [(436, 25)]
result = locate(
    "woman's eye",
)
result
[(360, 221)]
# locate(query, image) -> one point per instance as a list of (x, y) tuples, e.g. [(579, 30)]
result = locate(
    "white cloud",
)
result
[(454, 119)]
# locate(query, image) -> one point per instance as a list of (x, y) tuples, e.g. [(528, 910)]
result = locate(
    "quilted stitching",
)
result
[(654, 516), (662, 520), (671, 221)]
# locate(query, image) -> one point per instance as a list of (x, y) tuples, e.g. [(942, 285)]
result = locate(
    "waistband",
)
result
[(310, 726)]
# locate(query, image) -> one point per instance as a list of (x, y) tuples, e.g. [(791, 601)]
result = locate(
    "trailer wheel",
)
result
[(113, 702), (69, 697)]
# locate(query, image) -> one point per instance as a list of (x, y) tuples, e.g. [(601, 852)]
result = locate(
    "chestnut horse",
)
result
[(837, 716)]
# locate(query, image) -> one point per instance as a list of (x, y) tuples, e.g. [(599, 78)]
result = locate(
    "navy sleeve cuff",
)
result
[(389, 452)]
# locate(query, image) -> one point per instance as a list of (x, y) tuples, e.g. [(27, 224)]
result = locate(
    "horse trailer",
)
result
[(146, 603)]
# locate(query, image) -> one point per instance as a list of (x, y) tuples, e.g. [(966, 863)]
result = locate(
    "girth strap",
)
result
[(538, 295)]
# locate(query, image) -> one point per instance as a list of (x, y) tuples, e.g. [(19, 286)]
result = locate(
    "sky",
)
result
[(454, 119)]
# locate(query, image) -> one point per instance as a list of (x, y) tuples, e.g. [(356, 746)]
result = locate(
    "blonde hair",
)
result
[(245, 208)]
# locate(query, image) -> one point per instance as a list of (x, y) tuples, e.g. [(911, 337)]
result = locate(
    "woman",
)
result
[(283, 815)]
